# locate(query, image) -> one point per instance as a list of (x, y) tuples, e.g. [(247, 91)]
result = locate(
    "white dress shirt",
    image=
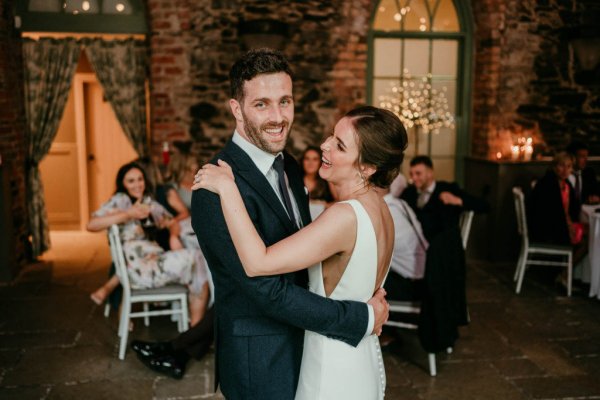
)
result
[(410, 246), (425, 195), (264, 163)]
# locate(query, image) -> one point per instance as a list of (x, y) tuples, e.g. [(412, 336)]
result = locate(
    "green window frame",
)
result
[(462, 36)]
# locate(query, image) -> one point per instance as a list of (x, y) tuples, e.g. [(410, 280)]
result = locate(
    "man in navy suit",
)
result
[(260, 322)]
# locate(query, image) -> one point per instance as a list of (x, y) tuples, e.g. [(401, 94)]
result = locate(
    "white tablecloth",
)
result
[(591, 264)]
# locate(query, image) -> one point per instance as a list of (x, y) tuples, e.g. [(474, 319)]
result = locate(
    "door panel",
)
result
[(107, 146)]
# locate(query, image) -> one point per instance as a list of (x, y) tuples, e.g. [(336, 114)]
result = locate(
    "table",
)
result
[(591, 264)]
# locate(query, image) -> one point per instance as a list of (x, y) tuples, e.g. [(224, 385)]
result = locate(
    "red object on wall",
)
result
[(165, 153)]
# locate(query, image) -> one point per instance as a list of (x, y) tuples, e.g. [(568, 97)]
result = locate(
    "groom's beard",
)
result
[(260, 137)]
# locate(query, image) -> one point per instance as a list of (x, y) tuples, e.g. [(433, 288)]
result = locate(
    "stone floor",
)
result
[(56, 344)]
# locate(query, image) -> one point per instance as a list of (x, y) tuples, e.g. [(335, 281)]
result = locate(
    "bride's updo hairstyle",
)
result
[(382, 140)]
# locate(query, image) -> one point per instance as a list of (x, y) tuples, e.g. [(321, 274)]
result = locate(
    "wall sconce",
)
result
[(585, 40), (263, 33)]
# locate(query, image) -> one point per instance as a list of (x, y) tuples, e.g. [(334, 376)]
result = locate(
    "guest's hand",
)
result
[(450, 199), (138, 211), (381, 310), (216, 178)]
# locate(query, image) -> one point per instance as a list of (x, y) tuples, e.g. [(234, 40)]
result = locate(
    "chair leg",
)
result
[(521, 273), (432, 364), (569, 274), (175, 305), (146, 317), (123, 330), (183, 320), (519, 262)]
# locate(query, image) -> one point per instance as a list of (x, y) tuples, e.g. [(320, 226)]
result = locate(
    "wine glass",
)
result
[(147, 202)]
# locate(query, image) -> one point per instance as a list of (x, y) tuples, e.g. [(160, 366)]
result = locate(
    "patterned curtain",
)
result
[(122, 69), (49, 67)]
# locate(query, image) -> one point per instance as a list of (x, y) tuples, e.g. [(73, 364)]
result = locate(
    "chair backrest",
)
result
[(519, 198), (466, 219), (118, 257)]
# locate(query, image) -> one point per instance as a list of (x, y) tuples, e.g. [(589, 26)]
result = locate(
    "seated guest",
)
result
[(148, 264), (181, 170), (319, 192), (583, 178), (408, 259), (168, 197), (398, 185), (404, 280), (438, 205), (553, 209)]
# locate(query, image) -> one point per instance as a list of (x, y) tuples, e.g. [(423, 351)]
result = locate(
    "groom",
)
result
[(260, 322)]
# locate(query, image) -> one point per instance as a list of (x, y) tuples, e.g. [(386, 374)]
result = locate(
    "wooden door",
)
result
[(107, 146)]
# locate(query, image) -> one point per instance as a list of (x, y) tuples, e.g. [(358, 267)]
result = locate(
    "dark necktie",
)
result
[(283, 190)]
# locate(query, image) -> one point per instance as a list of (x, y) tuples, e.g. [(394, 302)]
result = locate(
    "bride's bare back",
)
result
[(334, 266)]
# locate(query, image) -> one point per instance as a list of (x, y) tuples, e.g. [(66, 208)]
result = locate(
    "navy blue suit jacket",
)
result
[(260, 321)]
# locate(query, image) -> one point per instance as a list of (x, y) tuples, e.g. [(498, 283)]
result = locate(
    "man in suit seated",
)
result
[(583, 178), (438, 205)]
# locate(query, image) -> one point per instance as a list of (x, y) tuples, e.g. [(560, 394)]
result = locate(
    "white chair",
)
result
[(176, 294), (466, 219), (404, 307), (565, 253)]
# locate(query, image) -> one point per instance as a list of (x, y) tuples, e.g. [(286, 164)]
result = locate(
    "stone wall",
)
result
[(12, 126), (525, 75), (194, 44), (527, 79)]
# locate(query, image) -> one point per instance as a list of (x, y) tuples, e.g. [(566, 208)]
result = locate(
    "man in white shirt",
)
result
[(410, 248)]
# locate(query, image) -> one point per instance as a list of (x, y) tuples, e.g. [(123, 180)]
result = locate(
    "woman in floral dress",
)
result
[(148, 265)]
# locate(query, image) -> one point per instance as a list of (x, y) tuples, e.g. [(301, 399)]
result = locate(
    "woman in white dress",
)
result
[(348, 248)]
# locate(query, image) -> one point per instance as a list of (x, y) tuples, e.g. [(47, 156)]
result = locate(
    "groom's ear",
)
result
[(236, 110)]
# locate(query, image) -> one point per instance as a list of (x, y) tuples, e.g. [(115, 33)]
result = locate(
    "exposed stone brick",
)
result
[(12, 128)]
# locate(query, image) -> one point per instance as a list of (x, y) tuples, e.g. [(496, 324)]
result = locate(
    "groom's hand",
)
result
[(381, 310)]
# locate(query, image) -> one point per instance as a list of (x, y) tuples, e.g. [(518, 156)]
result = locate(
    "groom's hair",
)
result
[(255, 62)]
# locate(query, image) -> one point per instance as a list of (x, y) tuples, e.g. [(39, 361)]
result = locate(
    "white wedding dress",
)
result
[(332, 369)]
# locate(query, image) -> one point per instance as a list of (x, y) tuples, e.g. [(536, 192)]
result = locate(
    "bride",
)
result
[(348, 248)]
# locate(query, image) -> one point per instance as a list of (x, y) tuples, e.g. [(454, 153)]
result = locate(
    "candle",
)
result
[(527, 152), (514, 152), (498, 155)]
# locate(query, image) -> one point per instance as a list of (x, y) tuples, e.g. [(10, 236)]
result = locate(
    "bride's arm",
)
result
[(333, 232)]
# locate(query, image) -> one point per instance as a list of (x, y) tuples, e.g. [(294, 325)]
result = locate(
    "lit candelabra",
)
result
[(418, 104)]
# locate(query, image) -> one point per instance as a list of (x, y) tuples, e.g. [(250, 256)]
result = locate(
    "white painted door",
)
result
[(107, 146)]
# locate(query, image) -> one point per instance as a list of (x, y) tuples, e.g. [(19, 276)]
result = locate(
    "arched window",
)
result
[(419, 67)]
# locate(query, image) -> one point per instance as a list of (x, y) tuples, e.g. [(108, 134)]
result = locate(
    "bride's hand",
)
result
[(214, 178)]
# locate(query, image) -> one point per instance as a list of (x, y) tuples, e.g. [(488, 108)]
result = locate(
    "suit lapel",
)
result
[(247, 170)]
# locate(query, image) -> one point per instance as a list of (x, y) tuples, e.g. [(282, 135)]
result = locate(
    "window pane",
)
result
[(417, 18), (414, 15), (445, 18), (445, 58), (387, 57), (416, 57)]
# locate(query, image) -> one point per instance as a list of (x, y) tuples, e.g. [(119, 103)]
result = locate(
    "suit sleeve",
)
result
[(470, 202), (276, 296)]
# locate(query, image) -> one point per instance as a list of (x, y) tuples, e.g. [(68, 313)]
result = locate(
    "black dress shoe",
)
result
[(166, 364), (151, 349)]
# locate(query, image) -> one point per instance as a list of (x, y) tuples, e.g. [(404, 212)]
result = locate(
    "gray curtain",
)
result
[(49, 67), (122, 69)]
